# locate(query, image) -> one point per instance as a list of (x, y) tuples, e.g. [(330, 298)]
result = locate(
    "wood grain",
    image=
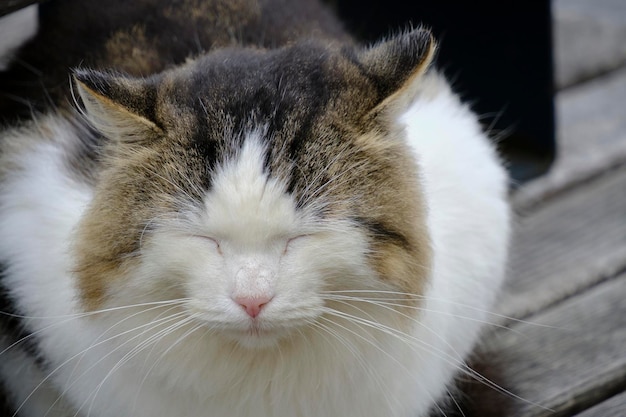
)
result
[(564, 360), (613, 407), (566, 245), (591, 137), (588, 38)]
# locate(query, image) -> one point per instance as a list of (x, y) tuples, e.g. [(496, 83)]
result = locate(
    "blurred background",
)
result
[(549, 81)]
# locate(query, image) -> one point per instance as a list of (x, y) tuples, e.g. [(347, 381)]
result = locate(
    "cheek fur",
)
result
[(406, 268), (169, 263)]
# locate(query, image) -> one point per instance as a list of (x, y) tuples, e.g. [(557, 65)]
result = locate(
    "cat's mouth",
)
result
[(254, 330), (259, 332), (256, 336)]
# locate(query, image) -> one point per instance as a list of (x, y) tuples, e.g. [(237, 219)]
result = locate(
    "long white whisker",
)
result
[(180, 339), (67, 318), (456, 361), (381, 302), (102, 335), (93, 312), (147, 327), (460, 365), (320, 328), (70, 317), (314, 180), (371, 343), (376, 324), (51, 373), (331, 182), (133, 352), (410, 296)]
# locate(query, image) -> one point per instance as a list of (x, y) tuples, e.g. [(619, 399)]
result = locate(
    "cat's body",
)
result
[(329, 221)]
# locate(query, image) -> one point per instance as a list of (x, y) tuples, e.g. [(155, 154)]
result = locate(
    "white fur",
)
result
[(466, 193), (15, 29), (250, 240)]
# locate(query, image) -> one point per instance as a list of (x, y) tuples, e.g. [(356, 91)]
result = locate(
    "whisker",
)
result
[(320, 188), (392, 332), (355, 353), (156, 320), (94, 312), (371, 343), (460, 365), (180, 339), (81, 353), (382, 303), (460, 359), (69, 317), (410, 296), (319, 175), (133, 352)]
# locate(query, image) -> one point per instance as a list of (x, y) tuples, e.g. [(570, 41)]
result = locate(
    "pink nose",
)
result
[(253, 305)]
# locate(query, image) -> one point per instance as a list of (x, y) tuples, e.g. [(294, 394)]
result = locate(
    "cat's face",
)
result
[(251, 263), (257, 187)]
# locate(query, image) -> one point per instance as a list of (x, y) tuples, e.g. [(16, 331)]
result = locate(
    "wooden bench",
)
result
[(563, 351)]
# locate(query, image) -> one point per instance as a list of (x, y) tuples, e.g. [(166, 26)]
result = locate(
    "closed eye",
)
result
[(290, 241), (211, 240)]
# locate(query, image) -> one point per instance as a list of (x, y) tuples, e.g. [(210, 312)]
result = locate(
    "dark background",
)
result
[(498, 55)]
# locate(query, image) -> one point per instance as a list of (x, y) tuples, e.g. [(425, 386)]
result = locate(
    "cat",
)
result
[(244, 213)]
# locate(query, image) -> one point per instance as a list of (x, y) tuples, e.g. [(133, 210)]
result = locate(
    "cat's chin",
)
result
[(256, 338)]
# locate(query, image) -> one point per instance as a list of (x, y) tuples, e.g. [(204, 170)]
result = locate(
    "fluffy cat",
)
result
[(249, 215)]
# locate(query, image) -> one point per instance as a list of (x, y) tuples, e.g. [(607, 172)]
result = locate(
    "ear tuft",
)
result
[(396, 64), (120, 107)]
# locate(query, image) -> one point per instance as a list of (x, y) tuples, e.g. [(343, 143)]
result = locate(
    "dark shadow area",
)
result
[(499, 57), (478, 396)]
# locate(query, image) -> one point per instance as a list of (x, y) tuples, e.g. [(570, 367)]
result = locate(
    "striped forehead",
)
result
[(245, 202)]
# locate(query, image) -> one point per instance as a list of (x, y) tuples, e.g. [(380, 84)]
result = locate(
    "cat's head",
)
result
[(259, 186)]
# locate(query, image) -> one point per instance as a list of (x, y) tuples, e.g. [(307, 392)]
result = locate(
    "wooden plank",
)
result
[(591, 137), (613, 407), (569, 358), (588, 37), (560, 248)]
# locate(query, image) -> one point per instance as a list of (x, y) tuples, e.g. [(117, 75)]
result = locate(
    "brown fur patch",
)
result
[(392, 209), (131, 192), (132, 52), (403, 204), (225, 18)]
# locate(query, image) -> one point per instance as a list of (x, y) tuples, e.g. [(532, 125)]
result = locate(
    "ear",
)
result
[(120, 107), (396, 65)]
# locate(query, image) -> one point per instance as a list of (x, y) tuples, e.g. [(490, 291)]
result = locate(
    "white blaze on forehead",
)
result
[(245, 204)]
